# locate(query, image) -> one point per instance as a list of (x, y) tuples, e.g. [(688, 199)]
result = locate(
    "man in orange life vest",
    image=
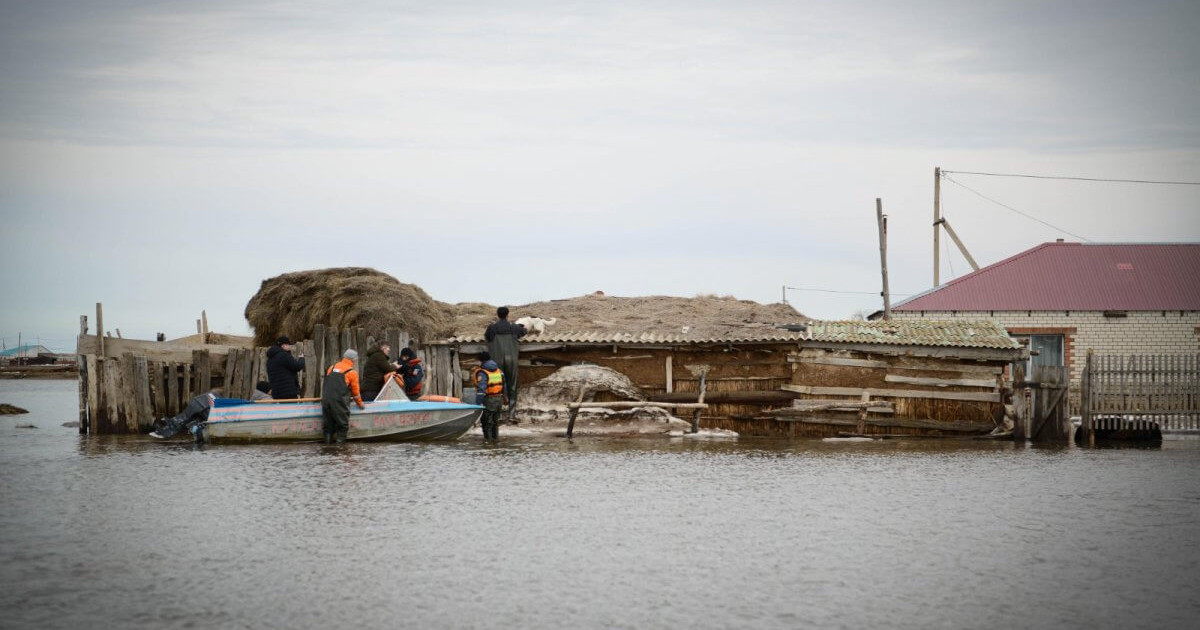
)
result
[(339, 386), (489, 392)]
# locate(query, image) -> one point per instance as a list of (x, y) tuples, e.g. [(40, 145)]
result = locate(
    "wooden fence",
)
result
[(127, 392), (1141, 391)]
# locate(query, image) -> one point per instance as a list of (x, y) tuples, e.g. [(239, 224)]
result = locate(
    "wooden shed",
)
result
[(919, 378)]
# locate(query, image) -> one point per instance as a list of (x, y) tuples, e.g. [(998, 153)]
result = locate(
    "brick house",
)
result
[(1063, 298)]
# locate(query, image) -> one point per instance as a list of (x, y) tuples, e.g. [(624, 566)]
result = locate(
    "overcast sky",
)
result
[(166, 157)]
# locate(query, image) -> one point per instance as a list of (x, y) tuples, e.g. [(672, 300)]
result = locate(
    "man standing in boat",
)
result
[(282, 369), (502, 337), (376, 370), (339, 386), (489, 392)]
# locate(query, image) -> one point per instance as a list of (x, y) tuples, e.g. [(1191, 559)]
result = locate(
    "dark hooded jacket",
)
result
[(282, 368), (374, 369)]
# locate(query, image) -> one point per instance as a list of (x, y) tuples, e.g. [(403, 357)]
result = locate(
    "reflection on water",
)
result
[(595, 532)]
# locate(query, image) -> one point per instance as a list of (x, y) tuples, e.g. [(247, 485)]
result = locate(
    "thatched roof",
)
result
[(293, 304), (702, 316)]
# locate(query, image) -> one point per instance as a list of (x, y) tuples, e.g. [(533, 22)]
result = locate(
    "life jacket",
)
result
[(414, 377), (495, 381)]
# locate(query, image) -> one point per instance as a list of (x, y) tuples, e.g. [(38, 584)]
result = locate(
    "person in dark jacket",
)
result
[(282, 369), (489, 392), (375, 370), (412, 372), (502, 337)]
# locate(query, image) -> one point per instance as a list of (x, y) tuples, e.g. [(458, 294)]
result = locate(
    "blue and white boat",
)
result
[(390, 417)]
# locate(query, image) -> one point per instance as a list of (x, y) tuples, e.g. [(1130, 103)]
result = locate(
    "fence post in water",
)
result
[(574, 411), (202, 368), (1020, 409), (129, 392), (95, 386), (1085, 402), (141, 389)]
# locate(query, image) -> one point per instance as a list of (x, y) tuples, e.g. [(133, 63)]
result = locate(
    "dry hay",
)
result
[(703, 316), (293, 304)]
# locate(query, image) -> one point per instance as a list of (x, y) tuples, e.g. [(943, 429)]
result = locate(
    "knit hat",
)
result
[(283, 341), (350, 354)]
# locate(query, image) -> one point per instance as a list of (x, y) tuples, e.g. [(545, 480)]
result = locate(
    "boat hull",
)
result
[(393, 420)]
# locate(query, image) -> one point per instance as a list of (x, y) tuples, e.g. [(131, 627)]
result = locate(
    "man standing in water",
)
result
[(502, 337), (489, 392), (339, 386)]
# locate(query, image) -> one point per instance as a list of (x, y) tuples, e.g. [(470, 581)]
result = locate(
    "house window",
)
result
[(1049, 349)]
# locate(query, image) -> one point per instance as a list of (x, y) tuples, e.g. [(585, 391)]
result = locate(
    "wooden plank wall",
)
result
[(742, 382)]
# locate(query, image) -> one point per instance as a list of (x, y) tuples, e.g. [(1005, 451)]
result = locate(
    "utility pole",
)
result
[(937, 219), (881, 219)]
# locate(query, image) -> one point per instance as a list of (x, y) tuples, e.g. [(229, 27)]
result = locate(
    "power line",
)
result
[(1078, 179), (1002, 205)]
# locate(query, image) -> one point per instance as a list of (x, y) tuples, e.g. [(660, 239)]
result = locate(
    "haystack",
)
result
[(293, 304)]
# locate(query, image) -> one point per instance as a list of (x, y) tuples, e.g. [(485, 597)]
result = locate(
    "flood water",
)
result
[(542, 532)]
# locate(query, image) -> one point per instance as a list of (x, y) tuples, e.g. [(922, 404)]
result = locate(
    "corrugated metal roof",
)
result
[(954, 333), (958, 333), (766, 335), (1076, 277)]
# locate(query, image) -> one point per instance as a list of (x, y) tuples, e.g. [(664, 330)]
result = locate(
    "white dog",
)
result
[(535, 324)]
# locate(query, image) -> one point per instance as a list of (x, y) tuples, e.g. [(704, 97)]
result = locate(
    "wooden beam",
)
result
[(759, 397), (941, 382), (891, 393), (99, 331), (924, 366), (634, 404), (783, 415)]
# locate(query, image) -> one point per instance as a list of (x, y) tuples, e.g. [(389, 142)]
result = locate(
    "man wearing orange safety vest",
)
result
[(339, 386), (489, 392)]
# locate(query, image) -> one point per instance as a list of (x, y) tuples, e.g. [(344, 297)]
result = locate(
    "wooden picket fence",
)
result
[(1140, 391)]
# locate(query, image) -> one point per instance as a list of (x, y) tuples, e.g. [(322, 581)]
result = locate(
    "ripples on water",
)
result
[(598, 532)]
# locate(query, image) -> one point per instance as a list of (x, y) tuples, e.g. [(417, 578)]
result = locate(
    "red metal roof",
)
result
[(1076, 277)]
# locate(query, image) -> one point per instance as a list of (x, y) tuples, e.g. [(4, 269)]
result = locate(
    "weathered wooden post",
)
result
[(141, 391), (574, 411), (1020, 409), (81, 363), (100, 330), (202, 368), (700, 400), (129, 390), (332, 351), (95, 391), (1085, 403)]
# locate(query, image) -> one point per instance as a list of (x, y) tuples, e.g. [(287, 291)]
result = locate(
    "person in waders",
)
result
[(338, 388), (502, 337), (489, 392)]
